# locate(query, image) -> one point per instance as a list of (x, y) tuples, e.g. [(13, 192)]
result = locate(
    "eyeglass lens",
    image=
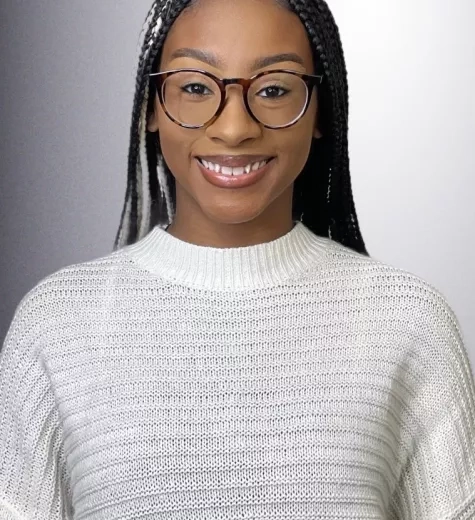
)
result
[(193, 98)]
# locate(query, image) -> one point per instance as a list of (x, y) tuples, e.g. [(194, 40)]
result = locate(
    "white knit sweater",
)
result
[(291, 380)]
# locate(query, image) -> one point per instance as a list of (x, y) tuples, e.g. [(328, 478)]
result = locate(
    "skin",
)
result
[(238, 32)]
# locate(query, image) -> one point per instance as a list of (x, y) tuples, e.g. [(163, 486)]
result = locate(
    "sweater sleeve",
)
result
[(438, 480), (33, 483)]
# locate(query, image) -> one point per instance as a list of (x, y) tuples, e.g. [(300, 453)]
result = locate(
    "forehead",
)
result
[(238, 32)]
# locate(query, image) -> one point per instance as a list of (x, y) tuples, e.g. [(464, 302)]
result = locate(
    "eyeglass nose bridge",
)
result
[(245, 84)]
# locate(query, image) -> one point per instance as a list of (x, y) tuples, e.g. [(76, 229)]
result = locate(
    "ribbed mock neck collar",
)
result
[(248, 267)]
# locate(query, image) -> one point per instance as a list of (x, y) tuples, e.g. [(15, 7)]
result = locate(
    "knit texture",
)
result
[(290, 380)]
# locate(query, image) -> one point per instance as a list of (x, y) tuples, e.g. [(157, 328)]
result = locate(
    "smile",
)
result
[(233, 177), (234, 171)]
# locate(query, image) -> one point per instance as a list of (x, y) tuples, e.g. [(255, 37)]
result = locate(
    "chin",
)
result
[(233, 215)]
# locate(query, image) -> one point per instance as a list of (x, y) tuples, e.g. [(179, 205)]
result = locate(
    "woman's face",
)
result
[(236, 33)]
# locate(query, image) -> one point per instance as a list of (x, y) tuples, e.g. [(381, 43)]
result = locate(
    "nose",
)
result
[(234, 125)]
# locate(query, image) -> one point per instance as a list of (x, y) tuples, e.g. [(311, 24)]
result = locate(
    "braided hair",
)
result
[(322, 195)]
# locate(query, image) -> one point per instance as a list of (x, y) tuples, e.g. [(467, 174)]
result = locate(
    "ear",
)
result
[(152, 125)]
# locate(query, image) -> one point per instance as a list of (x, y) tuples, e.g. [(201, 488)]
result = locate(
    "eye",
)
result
[(272, 91), (196, 89)]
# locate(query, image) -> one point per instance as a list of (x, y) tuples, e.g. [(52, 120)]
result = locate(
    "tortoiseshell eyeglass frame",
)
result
[(310, 81)]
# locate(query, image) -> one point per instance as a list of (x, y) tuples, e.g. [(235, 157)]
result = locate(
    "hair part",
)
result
[(322, 197)]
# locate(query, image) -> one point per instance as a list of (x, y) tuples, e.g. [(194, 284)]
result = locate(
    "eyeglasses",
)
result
[(194, 98)]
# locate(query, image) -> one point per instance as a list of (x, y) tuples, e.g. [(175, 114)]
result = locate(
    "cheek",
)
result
[(301, 136), (294, 146), (175, 144)]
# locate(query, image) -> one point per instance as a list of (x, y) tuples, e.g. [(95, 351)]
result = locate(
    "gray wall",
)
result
[(67, 82)]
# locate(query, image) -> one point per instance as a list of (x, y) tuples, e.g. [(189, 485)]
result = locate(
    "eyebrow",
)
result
[(214, 61)]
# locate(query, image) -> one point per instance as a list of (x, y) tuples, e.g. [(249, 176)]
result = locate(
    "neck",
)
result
[(229, 235), (197, 228)]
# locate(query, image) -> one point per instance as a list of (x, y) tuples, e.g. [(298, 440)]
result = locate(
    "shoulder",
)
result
[(379, 281), (81, 275), (399, 308), (76, 289), (385, 301)]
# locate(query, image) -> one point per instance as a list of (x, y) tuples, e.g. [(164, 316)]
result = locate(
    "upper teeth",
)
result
[(226, 170)]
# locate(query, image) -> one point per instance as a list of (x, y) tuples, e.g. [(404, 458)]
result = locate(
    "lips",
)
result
[(221, 177), (234, 161)]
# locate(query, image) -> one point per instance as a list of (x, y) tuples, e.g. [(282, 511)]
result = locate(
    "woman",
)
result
[(239, 354)]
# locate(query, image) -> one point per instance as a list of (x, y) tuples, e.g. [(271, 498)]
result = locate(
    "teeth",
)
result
[(226, 170)]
